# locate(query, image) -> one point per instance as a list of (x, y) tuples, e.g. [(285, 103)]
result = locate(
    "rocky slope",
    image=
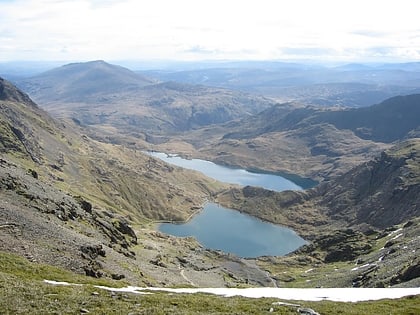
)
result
[(49, 226), (110, 175)]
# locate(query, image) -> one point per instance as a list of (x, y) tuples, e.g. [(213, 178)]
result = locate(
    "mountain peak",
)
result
[(84, 80), (88, 64)]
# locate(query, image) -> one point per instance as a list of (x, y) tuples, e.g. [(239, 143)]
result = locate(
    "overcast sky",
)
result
[(326, 30)]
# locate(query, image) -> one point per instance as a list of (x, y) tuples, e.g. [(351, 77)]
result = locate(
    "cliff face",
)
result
[(381, 193), (23, 124)]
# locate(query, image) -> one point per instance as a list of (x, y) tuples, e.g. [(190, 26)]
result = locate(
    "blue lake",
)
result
[(230, 175), (228, 230), (231, 231)]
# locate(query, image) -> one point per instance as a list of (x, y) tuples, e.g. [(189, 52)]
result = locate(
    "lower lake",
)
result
[(228, 230), (231, 231)]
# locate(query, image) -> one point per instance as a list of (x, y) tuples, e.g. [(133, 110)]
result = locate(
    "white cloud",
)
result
[(167, 29)]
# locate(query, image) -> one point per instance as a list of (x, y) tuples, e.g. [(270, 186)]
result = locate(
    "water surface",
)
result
[(228, 230), (230, 175)]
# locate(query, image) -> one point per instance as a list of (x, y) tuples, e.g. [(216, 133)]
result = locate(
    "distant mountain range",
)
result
[(352, 85), (98, 93)]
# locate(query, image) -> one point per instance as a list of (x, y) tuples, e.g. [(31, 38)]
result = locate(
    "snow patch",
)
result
[(395, 232), (397, 236), (360, 267), (318, 294), (61, 283)]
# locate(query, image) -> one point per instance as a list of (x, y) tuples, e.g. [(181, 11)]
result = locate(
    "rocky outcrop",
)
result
[(8, 92), (345, 245), (409, 272)]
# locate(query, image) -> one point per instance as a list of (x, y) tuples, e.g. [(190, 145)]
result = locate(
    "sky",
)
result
[(323, 30)]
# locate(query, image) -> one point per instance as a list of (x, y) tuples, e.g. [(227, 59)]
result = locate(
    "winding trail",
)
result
[(182, 273)]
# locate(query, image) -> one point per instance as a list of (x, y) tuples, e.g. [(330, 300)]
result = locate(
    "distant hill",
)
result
[(391, 120), (388, 121), (97, 94), (77, 82)]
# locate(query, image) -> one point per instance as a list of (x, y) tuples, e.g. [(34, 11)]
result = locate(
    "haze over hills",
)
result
[(347, 85)]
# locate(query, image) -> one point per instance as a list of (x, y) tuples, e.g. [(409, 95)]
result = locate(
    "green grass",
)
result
[(16, 266), (23, 291)]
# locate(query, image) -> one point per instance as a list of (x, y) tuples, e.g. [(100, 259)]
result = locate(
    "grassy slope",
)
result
[(23, 291)]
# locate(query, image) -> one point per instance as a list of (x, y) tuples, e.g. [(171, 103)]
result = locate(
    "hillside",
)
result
[(111, 175), (388, 121), (391, 120), (306, 140)]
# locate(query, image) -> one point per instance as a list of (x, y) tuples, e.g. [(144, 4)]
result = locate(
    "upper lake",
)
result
[(232, 175)]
